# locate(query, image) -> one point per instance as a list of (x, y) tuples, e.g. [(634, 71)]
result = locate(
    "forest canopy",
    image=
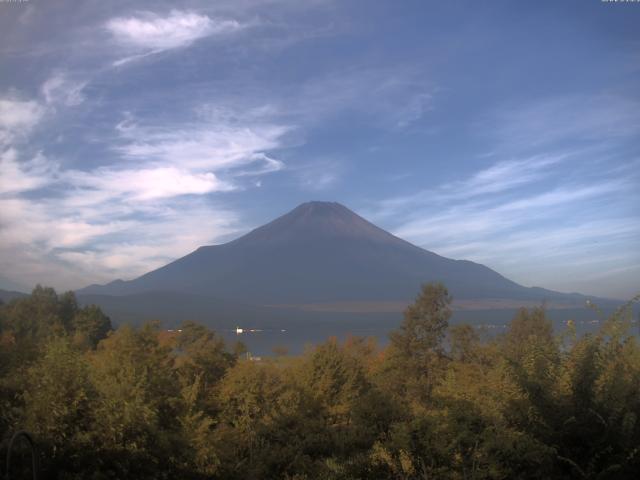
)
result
[(438, 401)]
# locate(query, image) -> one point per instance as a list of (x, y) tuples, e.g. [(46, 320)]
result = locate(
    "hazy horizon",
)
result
[(503, 134)]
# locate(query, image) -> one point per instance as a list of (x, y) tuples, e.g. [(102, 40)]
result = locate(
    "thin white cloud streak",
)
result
[(155, 190), (17, 118), (178, 29), (61, 89), (148, 245), (18, 177), (36, 224), (203, 146), (48, 242), (318, 174), (576, 118), (147, 183), (394, 98), (444, 231), (615, 272), (551, 218), (193, 157), (540, 240), (121, 220), (506, 175), (564, 195), (116, 237), (148, 33), (498, 178), (515, 246), (266, 164)]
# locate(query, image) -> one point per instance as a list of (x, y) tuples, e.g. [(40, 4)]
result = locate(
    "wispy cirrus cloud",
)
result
[(24, 176), (529, 235), (111, 230), (108, 241), (590, 119), (546, 206), (60, 88), (319, 175), (502, 215), (499, 177), (145, 184), (394, 99), (147, 33), (303, 91), (18, 117), (149, 203), (130, 248), (123, 218), (203, 145)]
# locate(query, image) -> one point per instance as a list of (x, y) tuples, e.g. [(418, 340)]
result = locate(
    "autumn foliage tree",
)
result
[(438, 401)]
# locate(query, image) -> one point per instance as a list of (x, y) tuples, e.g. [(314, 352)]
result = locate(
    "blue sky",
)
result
[(506, 133)]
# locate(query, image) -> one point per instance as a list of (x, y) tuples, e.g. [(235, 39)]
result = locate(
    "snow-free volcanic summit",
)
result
[(322, 253)]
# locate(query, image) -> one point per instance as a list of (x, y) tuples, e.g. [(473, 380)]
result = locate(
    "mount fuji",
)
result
[(321, 256)]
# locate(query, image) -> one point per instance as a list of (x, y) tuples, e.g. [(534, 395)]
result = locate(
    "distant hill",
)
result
[(8, 295), (319, 257)]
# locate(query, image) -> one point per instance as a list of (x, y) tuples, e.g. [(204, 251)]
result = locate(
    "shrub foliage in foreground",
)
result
[(437, 402)]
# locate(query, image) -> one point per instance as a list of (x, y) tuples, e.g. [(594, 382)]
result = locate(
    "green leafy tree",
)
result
[(152, 403), (90, 325), (353, 413), (138, 405), (58, 407), (465, 343), (416, 353), (267, 426), (202, 355)]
